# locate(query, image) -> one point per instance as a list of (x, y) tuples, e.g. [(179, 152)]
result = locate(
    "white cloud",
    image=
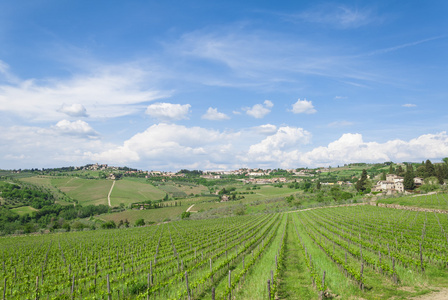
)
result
[(285, 138), (74, 110), (168, 111), (105, 93), (340, 97), (303, 106), (62, 144), (339, 16), (213, 115), (266, 129), (78, 127), (259, 110), (409, 105), (172, 146), (351, 148)]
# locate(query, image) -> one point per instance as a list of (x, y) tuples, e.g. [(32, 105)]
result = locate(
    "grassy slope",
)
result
[(130, 191), (24, 210), (150, 215), (86, 191), (437, 201), (46, 182)]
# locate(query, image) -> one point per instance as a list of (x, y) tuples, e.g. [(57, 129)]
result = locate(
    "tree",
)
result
[(391, 169), (445, 160), (421, 171), (400, 171), (109, 225), (318, 185), (185, 215), (408, 180), (430, 171), (383, 176), (439, 174), (140, 222), (361, 185)]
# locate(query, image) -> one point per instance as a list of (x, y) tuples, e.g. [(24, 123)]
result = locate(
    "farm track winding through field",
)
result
[(188, 209), (110, 192)]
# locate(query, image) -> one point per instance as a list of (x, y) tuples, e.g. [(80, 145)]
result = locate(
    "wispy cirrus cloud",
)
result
[(250, 59), (336, 15), (106, 92), (338, 124), (398, 47), (409, 105)]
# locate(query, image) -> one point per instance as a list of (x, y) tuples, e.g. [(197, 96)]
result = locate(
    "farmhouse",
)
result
[(391, 185)]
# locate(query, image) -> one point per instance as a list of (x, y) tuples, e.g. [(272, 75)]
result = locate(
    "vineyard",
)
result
[(354, 251)]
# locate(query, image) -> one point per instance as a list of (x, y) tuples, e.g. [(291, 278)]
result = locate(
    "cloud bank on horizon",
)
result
[(148, 87)]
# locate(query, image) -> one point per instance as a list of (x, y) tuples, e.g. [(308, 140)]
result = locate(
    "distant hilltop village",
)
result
[(386, 178)]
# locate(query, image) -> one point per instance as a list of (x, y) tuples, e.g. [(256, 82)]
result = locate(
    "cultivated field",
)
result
[(365, 252), (86, 191), (130, 191)]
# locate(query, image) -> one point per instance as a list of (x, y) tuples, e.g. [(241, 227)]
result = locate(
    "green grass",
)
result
[(149, 215), (255, 285), (86, 191), (434, 201), (24, 210), (131, 191), (294, 279), (46, 181)]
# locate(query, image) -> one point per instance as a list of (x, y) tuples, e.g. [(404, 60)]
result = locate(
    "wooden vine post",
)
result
[(188, 289), (421, 258), (230, 285), (109, 296), (269, 289)]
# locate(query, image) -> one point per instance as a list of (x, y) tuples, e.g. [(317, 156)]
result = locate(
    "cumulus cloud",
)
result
[(78, 127), (74, 110), (213, 115), (106, 93), (303, 107), (409, 105), (259, 110), (172, 146), (352, 148), (168, 112), (62, 144), (285, 138)]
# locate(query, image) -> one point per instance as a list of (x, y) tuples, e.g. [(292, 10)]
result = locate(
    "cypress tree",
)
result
[(430, 171), (408, 181), (362, 182)]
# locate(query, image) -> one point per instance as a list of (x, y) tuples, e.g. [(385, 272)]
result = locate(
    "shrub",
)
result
[(140, 222)]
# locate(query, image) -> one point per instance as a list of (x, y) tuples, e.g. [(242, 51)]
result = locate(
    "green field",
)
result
[(130, 191), (24, 210), (433, 201), (150, 215), (46, 181), (86, 191), (366, 252)]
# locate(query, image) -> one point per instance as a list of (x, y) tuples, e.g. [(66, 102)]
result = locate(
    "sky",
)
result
[(220, 85)]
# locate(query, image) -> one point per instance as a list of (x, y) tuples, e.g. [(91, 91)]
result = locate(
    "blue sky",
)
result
[(165, 85)]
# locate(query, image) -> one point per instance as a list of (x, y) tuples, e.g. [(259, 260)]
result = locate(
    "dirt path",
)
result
[(110, 192), (188, 209), (442, 294)]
